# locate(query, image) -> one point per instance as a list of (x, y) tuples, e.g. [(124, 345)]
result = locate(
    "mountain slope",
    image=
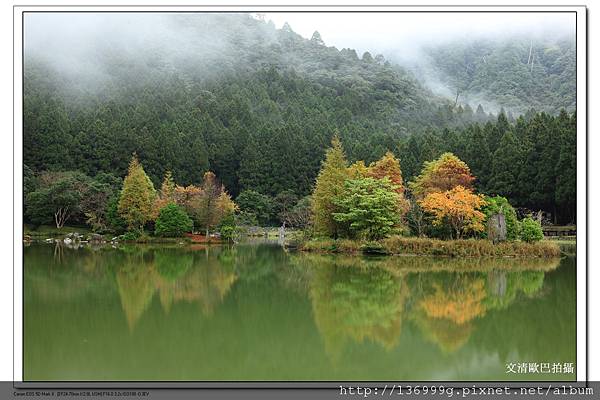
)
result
[(516, 73)]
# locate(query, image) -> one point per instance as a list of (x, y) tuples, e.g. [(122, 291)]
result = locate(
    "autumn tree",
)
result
[(358, 170), (389, 167), (329, 185), (212, 203), (187, 197), (166, 194), (441, 175), (136, 204), (459, 207)]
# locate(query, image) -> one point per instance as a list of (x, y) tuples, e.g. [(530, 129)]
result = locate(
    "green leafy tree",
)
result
[(172, 221), (369, 206), (531, 230), (261, 205), (58, 198), (114, 220), (136, 204), (500, 205), (283, 203), (227, 227)]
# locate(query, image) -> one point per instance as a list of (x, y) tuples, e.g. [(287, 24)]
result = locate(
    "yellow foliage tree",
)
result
[(460, 207), (166, 194), (329, 185), (441, 175), (358, 170)]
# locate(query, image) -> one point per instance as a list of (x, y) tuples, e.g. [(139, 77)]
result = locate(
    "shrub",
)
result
[(130, 236), (499, 204), (531, 230), (227, 227), (172, 221)]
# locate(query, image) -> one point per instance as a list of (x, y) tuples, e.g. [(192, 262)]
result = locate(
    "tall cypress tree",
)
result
[(136, 204), (329, 185)]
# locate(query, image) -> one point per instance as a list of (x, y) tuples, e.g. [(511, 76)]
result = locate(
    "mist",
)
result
[(408, 39), (90, 47)]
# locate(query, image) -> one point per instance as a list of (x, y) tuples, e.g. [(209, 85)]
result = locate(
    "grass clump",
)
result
[(468, 248), (401, 245)]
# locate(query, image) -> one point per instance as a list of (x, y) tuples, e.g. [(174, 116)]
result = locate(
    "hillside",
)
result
[(217, 91), (516, 73)]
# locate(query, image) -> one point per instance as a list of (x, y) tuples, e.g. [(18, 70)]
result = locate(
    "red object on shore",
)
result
[(198, 238)]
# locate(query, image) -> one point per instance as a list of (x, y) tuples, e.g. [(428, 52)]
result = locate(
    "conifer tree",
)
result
[(136, 204), (329, 185)]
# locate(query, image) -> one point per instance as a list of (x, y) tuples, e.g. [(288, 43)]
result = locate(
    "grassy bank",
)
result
[(399, 245)]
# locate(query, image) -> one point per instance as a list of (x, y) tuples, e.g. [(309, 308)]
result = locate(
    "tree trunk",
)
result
[(60, 217)]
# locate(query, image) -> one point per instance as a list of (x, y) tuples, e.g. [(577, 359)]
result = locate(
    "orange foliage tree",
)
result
[(459, 207), (441, 175), (389, 166)]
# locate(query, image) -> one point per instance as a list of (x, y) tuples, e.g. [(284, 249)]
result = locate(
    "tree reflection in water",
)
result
[(190, 276), (357, 299)]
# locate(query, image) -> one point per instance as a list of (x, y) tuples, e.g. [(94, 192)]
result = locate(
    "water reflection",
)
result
[(366, 298), (337, 317), (202, 277)]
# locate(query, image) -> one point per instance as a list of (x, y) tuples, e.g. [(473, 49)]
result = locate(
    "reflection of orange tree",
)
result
[(447, 334), (449, 304), (460, 303), (357, 304)]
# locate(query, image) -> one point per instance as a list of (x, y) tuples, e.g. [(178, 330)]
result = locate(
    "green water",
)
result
[(255, 312)]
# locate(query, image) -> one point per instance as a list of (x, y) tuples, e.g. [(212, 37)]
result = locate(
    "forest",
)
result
[(260, 115)]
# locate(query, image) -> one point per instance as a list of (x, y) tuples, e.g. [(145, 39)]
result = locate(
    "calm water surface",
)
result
[(255, 312)]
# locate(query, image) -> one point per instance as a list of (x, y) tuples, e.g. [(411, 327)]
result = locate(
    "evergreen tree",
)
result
[(136, 203), (329, 185)]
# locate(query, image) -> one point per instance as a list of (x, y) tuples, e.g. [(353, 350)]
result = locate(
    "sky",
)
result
[(403, 33), (398, 35)]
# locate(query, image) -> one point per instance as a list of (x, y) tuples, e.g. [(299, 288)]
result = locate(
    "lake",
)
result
[(257, 312)]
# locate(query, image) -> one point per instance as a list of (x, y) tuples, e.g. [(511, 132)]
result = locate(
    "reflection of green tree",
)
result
[(206, 281), (503, 287), (357, 304), (172, 263)]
